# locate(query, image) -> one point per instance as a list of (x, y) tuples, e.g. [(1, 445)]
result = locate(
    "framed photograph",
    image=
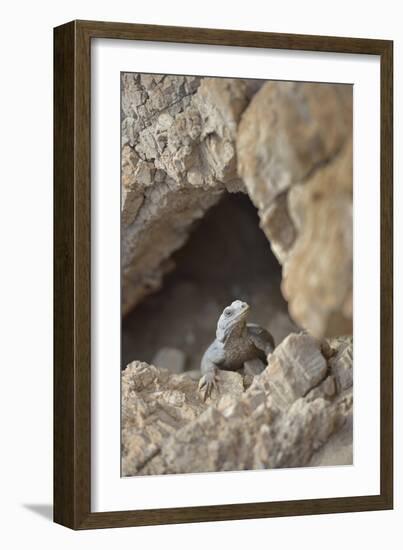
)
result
[(223, 288)]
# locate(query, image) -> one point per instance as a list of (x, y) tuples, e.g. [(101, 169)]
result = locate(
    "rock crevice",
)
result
[(188, 140)]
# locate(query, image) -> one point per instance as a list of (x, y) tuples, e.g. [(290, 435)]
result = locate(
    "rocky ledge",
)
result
[(297, 412)]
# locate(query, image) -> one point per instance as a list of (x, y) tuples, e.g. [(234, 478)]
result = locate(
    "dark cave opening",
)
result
[(227, 257)]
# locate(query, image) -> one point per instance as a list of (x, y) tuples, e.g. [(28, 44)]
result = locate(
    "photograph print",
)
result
[(236, 274)]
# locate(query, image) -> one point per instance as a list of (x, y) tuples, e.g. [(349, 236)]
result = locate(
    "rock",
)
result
[(188, 140), (288, 130), (171, 359), (278, 226), (178, 157), (342, 363), (317, 274), (155, 404), (338, 449), (326, 389), (296, 366), (167, 428), (305, 429), (294, 154), (231, 384)]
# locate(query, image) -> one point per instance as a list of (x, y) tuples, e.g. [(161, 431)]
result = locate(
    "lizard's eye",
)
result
[(227, 312)]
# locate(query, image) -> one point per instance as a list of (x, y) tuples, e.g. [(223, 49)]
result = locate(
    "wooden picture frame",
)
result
[(72, 270)]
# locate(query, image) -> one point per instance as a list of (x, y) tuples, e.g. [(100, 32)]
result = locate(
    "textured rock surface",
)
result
[(295, 156), (300, 404), (178, 156), (295, 368), (187, 140)]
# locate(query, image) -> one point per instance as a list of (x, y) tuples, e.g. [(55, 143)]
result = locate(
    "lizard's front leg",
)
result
[(209, 380)]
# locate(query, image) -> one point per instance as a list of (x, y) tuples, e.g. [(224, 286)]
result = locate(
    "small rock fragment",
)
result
[(342, 364), (295, 367)]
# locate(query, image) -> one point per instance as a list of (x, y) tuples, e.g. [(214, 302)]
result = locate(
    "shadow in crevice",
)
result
[(227, 257)]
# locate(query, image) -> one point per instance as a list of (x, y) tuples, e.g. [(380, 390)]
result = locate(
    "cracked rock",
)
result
[(294, 150), (178, 157), (295, 368), (167, 428)]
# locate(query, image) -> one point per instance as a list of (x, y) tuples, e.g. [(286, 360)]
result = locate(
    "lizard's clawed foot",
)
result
[(207, 383)]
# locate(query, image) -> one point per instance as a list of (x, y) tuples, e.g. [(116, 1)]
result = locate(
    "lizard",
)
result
[(237, 343)]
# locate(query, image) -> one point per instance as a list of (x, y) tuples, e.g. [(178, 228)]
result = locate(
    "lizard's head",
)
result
[(233, 318)]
